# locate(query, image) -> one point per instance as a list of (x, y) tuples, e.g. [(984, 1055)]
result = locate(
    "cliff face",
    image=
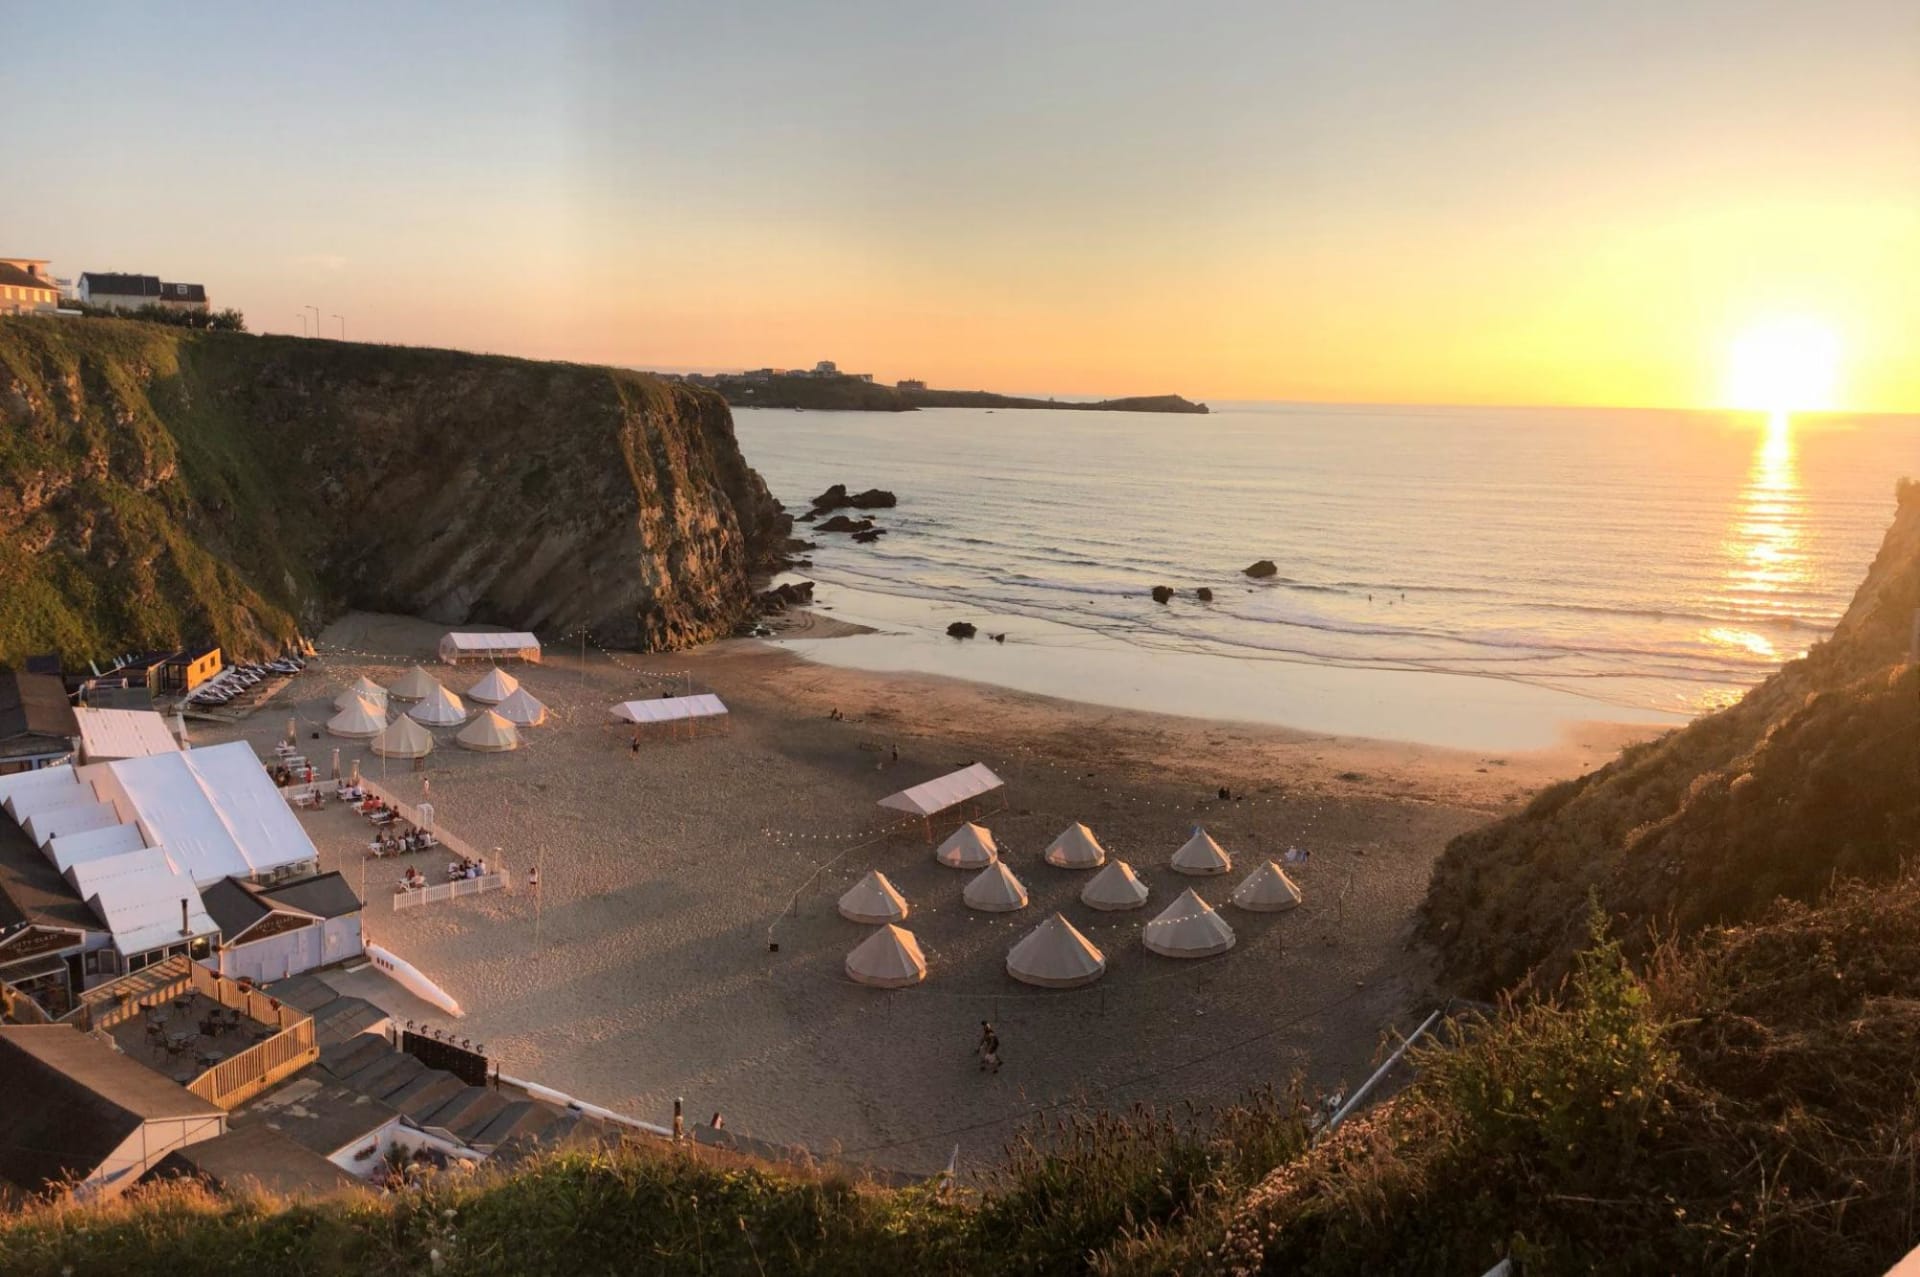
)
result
[(158, 485), (1814, 775)]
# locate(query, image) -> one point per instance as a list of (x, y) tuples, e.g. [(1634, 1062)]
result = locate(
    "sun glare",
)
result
[(1784, 365)]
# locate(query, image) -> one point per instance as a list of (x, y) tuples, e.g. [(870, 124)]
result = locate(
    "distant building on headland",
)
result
[(910, 383), (26, 286), (113, 291)]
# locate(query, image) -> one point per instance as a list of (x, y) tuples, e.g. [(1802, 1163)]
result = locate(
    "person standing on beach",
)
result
[(989, 1048)]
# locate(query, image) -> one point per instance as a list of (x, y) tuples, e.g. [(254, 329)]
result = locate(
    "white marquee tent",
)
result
[(969, 847), (68, 850), (143, 910), (44, 826), (1114, 888), (873, 899), (1267, 890), (20, 783), (995, 890), (365, 689), (403, 738), (488, 733), (890, 958), (668, 709), (1054, 955), (415, 685), (67, 792), (522, 710), (494, 688), (362, 720), (1076, 848), (936, 795), (439, 708), (458, 645), (1188, 928), (122, 733), (1201, 856)]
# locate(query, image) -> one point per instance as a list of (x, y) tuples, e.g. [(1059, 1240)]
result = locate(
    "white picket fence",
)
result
[(498, 880)]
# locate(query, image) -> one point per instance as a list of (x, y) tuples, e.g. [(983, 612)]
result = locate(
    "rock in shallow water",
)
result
[(1264, 568)]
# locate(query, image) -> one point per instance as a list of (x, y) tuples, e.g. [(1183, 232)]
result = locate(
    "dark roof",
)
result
[(194, 653), (184, 292), (256, 1157), (12, 275), (47, 663), (308, 992), (317, 1115), (117, 285), (35, 704), (344, 1019), (32, 890), (87, 1098), (325, 895), (232, 906)]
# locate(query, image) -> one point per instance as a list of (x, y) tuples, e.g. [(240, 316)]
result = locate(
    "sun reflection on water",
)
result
[(1766, 560)]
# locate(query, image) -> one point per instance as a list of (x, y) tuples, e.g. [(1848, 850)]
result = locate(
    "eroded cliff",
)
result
[(158, 485)]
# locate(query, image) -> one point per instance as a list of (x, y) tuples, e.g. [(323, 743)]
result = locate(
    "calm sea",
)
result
[(1640, 561)]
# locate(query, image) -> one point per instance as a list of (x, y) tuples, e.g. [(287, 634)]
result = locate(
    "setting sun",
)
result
[(1784, 365)]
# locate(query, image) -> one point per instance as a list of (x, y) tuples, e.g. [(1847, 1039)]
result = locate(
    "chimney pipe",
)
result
[(185, 930)]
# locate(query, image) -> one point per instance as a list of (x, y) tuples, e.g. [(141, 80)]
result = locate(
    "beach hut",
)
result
[(489, 733), (1076, 848), (1267, 890), (441, 708), (1056, 956), (403, 738), (1201, 856), (415, 685), (873, 899), (890, 958), (1188, 928), (522, 710), (995, 890), (494, 688), (1114, 888), (365, 689), (969, 847), (360, 720)]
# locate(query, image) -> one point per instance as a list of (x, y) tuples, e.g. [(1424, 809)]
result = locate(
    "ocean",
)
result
[(1509, 569)]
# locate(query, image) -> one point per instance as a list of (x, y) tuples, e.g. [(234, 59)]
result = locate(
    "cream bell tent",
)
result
[(890, 958), (364, 688), (361, 720), (1201, 856), (969, 847), (1114, 888), (1188, 928), (415, 685), (441, 708), (489, 733), (1267, 890), (1055, 956), (995, 890), (1076, 848), (494, 688), (403, 738), (873, 899), (522, 710)]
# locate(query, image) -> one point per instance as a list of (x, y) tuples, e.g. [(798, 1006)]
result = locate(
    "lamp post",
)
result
[(316, 318), (343, 326), (303, 323)]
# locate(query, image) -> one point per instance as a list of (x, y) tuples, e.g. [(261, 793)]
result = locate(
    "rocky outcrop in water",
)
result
[(1261, 569), (838, 498), (159, 485)]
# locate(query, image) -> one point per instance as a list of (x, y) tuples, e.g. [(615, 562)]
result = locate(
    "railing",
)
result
[(250, 1002), (498, 880), (120, 1000), (17, 1008), (411, 814), (235, 1080)]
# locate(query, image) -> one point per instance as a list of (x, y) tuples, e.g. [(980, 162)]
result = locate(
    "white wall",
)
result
[(144, 1149), (275, 957)]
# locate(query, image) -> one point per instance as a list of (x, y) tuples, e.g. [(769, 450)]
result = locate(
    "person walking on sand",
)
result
[(989, 1048)]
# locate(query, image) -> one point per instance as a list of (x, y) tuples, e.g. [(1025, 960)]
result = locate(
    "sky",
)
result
[(1473, 202)]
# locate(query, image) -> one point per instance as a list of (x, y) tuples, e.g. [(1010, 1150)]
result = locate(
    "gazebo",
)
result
[(929, 798)]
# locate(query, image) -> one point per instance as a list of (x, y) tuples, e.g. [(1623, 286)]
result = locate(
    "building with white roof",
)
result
[(108, 734)]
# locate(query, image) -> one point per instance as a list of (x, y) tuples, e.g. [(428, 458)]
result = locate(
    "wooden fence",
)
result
[(498, 880), (235, 1080)]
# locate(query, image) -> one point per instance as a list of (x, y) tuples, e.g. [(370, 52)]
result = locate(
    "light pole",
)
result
[(316, 318), (303, 323), (343, 326)]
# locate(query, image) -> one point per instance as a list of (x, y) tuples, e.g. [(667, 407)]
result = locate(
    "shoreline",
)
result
[(646, 974)]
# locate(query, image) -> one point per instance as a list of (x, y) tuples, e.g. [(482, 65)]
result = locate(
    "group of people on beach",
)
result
[(391, 844)]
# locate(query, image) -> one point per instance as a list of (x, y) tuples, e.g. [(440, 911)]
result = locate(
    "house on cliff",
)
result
[(37, 724), (114, 291), (26, 287)]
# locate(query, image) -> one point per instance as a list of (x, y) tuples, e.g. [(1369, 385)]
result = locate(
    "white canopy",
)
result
[(364, 688), (668, 709), (403, 738), (942, 792), (995, 890), (142, 909), (1054, 955), (25, 802), (1076, 848), (1188, 928), (68, 850), (969, 847), (415, 685), (23, 782), (1267, 890), (522, 710), (494, 688), (1113, 888), (44, 826), (122, 733), (890, 958), (459, 645), (1201, 856), (214, 810), (440, 708), (489, 733), (873, 899), (87, 876), (361, 720)]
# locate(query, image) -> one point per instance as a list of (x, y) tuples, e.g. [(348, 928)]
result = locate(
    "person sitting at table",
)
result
[(480, 867)]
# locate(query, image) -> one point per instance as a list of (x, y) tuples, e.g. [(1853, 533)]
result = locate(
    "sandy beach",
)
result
[(645, 972)]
